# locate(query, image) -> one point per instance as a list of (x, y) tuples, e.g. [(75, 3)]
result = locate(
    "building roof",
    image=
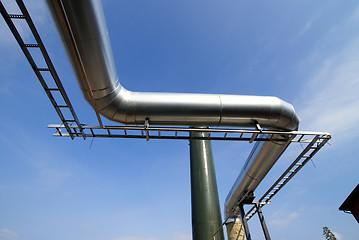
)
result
[(351, 200)]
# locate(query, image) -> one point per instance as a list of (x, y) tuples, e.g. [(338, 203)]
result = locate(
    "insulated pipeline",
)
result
[(82, 26)]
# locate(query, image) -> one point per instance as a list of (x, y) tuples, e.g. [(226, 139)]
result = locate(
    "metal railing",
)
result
[(317, 142), (182, 133)]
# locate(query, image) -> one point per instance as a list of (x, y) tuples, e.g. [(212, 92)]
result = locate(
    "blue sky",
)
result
[(304, 52)]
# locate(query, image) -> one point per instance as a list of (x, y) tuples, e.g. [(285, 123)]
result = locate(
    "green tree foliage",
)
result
[(328, 234)]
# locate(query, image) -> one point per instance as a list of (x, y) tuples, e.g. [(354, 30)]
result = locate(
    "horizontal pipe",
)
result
[(83, 29)]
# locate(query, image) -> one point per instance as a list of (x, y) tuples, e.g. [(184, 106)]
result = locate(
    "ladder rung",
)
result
[(43, 69), (275, 189), (31, 45), (306, 156), (292, 171), (298, 164), (18, 16), (37, 43)]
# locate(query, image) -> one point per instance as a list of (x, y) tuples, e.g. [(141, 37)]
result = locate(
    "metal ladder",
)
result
[(68, 121), (308, 152)]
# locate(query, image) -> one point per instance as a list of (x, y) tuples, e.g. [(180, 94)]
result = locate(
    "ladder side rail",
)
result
[(284, 178), (32, 63), (49, 63)]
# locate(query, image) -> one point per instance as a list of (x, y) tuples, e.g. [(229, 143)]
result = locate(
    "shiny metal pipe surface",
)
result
[(261, 159), (83, 29), (82, 26)]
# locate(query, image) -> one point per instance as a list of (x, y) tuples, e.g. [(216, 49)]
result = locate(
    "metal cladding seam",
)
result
[(83, 29)]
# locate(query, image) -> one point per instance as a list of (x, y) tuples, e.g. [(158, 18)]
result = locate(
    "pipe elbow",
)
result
[(288, 120), (115, 105)]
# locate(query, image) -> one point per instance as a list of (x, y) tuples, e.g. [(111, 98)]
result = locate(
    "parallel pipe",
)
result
[(261, 159), (82, 25)]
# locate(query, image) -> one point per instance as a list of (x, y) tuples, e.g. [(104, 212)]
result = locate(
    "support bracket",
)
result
[(147, 124)]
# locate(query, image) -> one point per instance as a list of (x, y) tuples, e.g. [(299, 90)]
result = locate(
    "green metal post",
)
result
[(206, 214)]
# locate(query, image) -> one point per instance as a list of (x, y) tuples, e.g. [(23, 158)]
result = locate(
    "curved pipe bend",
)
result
[(83, 29), (82, 26)]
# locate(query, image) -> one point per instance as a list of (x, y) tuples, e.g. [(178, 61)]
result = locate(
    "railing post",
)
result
[(261, 219), (244, 222)]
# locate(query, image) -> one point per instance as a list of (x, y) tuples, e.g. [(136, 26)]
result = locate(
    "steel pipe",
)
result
[(82, 25), (83, 29)]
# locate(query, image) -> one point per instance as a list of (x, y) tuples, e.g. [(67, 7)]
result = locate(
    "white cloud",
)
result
[(6, 234), (333, 91), (282, 218), (305, 28), (331, 94), (338, 236)]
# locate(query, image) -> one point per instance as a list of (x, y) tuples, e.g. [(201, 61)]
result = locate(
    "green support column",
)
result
[(206, 214)]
